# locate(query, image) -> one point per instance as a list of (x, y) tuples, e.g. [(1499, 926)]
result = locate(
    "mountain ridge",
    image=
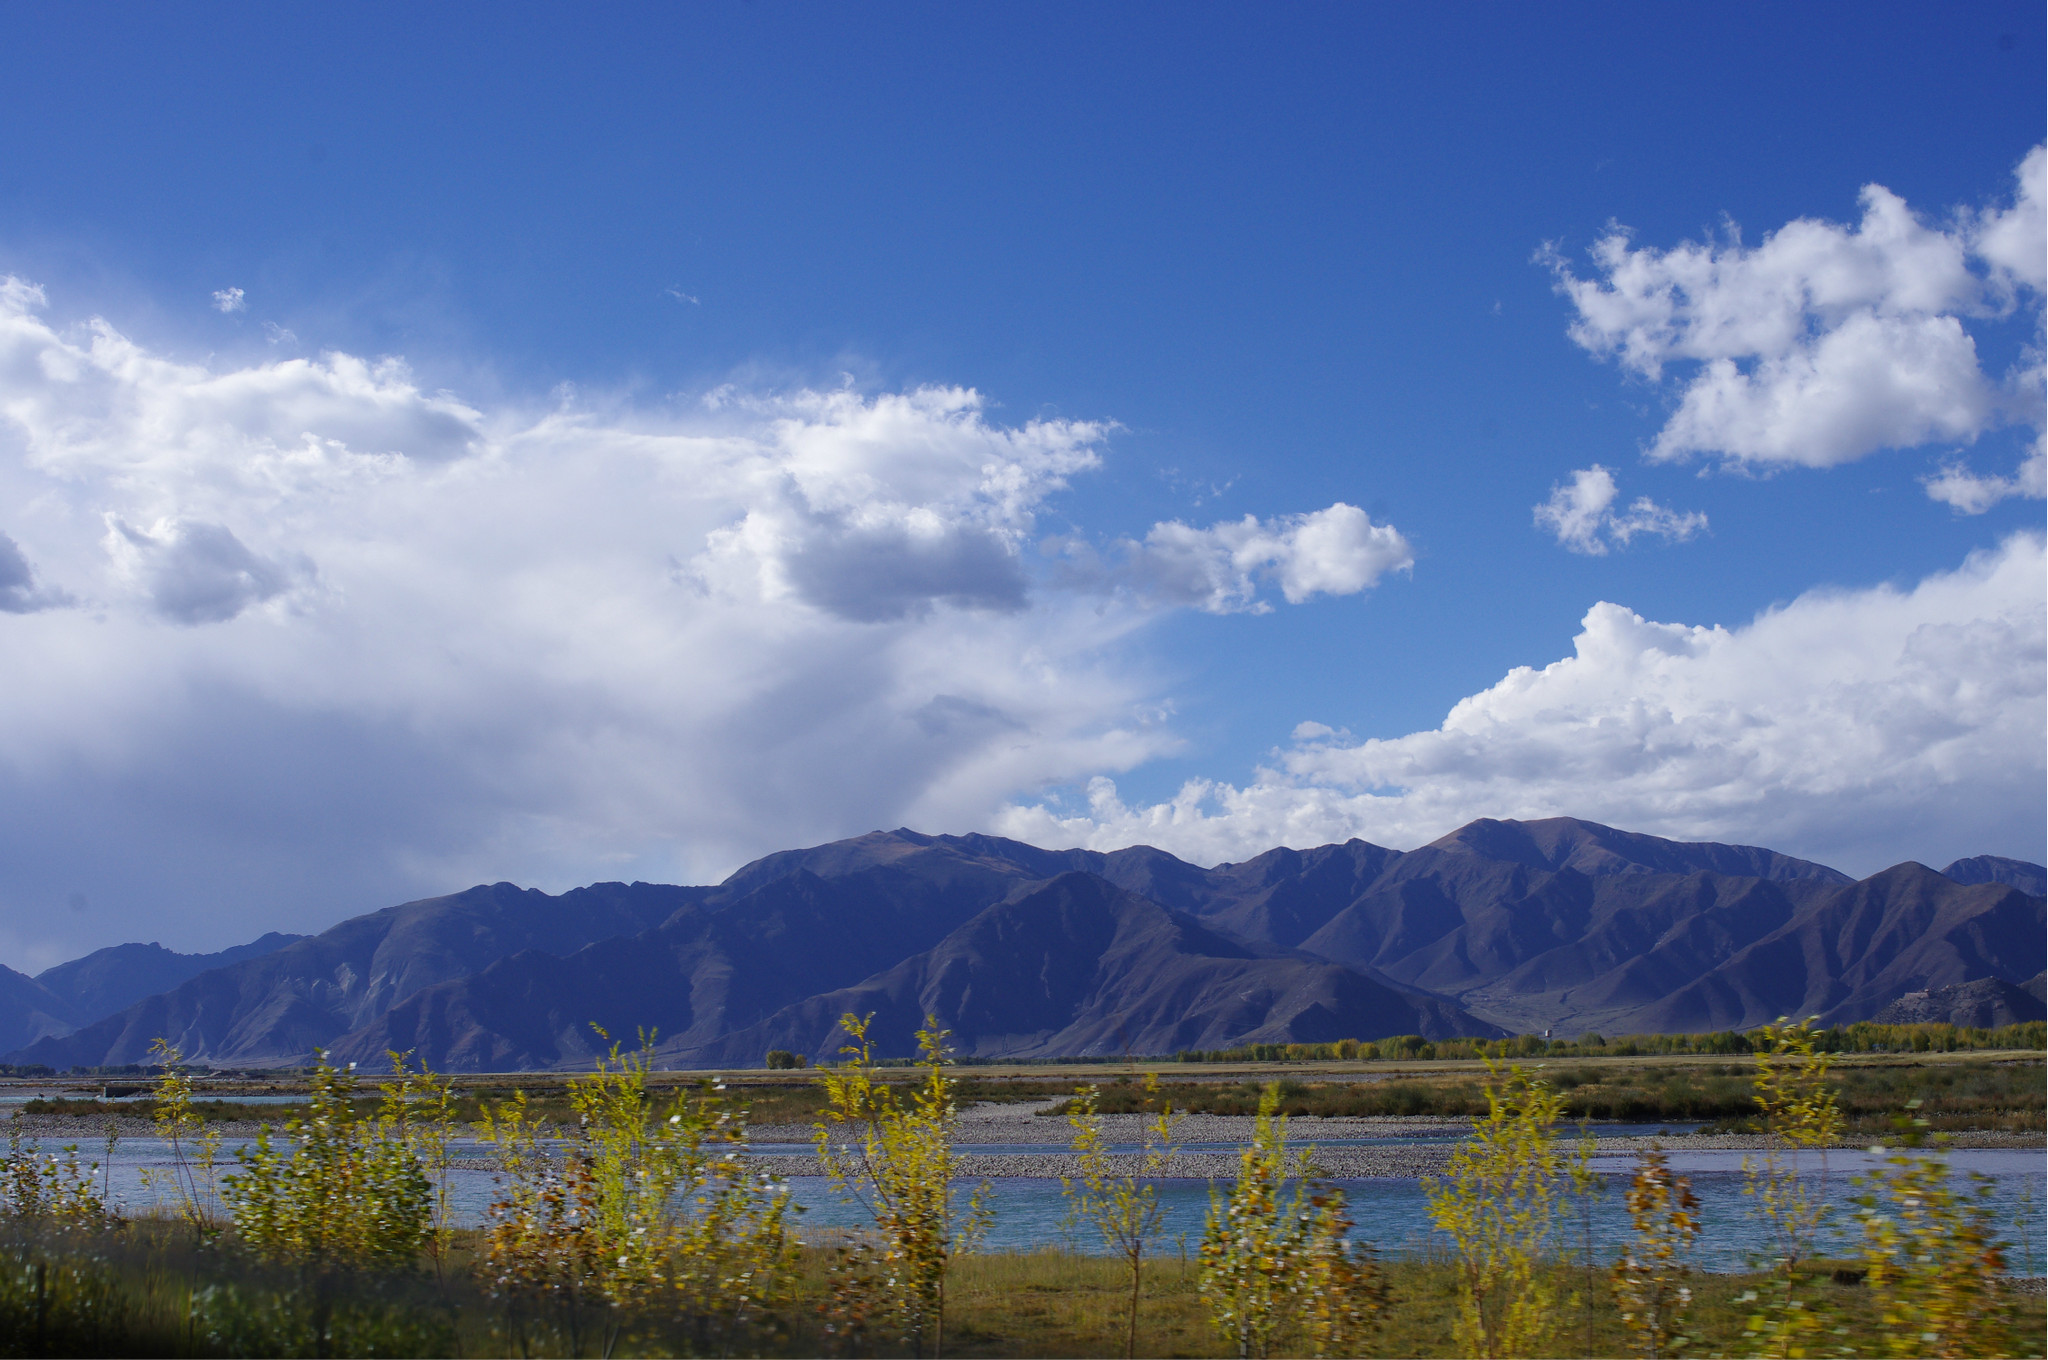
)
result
[(1498, 926)]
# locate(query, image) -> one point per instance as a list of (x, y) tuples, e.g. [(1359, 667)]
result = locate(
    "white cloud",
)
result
[(2013, 241), (230, 300), (1970, 494), (1825, 342), (1581, 513), (880, 509), (1856, 727), (1220, 569), (343, 639)]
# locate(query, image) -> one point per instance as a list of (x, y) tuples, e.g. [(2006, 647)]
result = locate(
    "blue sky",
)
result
[(647, 523)]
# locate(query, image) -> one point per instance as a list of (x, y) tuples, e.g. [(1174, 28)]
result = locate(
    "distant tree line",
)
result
[(1864, 1036)]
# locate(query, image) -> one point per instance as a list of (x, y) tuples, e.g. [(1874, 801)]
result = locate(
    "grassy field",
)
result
[(145, 1292)]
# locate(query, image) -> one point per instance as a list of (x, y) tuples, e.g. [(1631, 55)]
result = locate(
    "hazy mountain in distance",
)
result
[(112, 979), (29, 1011), (274, 1010), (2016, 873)]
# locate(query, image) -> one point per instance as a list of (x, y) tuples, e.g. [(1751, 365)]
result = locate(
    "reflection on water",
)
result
[(1391, 1211)]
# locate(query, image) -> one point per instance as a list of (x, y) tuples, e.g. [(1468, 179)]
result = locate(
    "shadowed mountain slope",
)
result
[(274, 1010), (1857, 949), (1082, 967), (699, 975)]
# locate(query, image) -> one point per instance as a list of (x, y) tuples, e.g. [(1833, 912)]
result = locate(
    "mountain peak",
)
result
[(2016, 873), (1556, 843)]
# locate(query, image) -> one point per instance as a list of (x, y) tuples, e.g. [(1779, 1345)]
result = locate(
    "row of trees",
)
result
[(1864, 1036), (648, 1208)]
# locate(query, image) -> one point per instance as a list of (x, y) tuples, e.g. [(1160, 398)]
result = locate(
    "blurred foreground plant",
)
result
[(1649, 1278), (1932, 1253), (51, 1185)]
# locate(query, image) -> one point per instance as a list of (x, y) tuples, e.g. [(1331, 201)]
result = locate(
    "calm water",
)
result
[(1391, 1212), (1433, 1138)]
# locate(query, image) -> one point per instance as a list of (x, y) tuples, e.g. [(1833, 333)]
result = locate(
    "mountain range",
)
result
[(58, 1000), (1498, 927)]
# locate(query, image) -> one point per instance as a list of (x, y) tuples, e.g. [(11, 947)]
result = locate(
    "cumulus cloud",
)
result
[(1221, 569), (1970, 493), (1850, 726), (1582, 515), (230, 300), (878, 509), (344, 639), (1825, 342)]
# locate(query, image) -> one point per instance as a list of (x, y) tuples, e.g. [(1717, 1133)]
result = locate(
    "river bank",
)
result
[(1398, 1146)]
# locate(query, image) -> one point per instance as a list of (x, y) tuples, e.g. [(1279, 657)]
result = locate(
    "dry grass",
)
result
[(133, 1295)]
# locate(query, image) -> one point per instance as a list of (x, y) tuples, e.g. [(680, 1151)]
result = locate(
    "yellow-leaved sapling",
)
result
[(51, 1186), (348, 1192), (894, 1157), (1500, 1201), (194, 1170), (418, 1109), (1274, 1262), (1796, 1106), (1123, 1209), (653, 1209)]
